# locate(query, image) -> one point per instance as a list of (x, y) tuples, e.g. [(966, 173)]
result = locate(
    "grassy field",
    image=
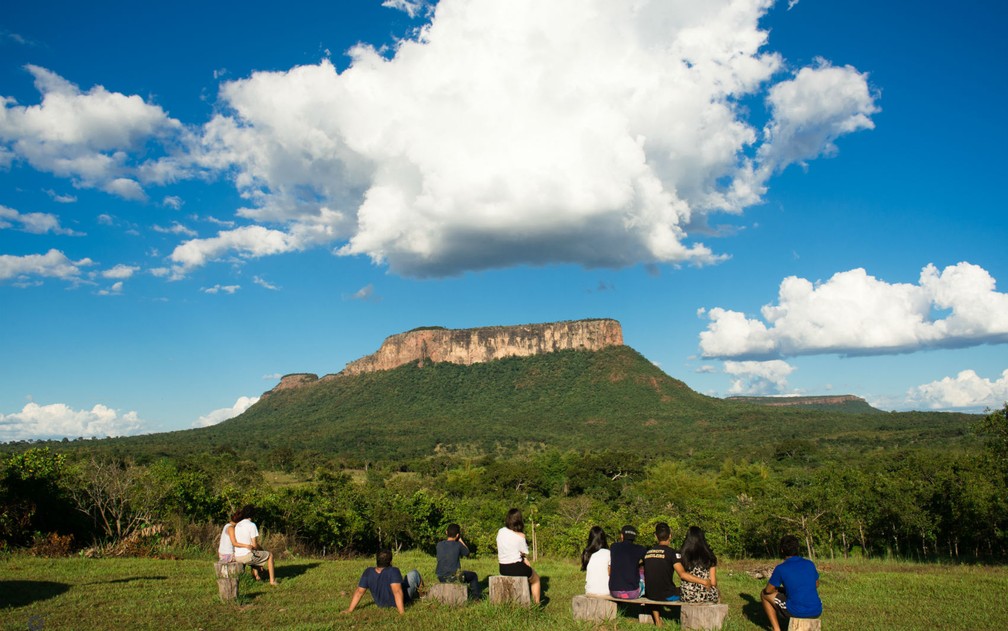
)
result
[(79, 593)]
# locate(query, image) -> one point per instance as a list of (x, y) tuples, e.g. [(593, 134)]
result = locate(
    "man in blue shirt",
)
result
[(449, 567), (792, 591), (386, 583)]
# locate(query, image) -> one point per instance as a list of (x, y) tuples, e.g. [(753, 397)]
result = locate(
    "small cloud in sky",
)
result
[(758, 378), (172, 201), (33, 223), (272, 377), (61, 199), (52, 264), (366, 293), (216, 289), (175, 228), (58, 420), (258, 280), (706, 369), (114, 290), (412, 8), (853, 313), (120, 271), (966, 391), (223, 414), (106, 219)]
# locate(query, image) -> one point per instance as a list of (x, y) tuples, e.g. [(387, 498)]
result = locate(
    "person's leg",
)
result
[(271, 569), (474, 587), (535, 587), (771, 608), (413, 582), (656, 615)]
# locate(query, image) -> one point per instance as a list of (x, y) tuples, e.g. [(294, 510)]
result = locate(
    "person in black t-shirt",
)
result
[(659, 569)]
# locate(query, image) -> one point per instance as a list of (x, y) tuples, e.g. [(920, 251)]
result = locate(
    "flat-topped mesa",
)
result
[(473, 346)]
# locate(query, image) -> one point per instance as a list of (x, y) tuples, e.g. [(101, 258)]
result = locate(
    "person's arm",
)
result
[(465, 549), (686, 576), (231, 535), (713, 576), (768, 591), (397, 593), (356, 599)]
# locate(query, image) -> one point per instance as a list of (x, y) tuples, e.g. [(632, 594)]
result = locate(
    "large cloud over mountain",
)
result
[(525, 132)]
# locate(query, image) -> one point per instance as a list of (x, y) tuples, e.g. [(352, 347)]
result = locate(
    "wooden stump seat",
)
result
[(453, 594), (696, 616), (227, 573), (804, 624), (510, 589)]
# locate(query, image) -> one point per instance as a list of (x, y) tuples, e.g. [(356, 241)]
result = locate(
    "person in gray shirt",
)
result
[(449, 566)]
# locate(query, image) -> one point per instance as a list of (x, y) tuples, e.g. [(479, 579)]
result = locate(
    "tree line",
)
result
[(910, 503)]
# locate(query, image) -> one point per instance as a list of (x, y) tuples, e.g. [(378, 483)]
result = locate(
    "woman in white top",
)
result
[(595, 563), (512, 551)]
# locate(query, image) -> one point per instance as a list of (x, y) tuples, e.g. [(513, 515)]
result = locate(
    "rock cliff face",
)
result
[(839, 399), (472, 346)]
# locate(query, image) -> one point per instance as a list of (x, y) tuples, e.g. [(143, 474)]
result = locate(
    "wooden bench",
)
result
[(510, 589), (694, 615)]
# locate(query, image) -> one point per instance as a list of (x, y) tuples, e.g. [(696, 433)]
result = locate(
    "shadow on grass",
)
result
[(752, 609), (286, 572), (21, 593)]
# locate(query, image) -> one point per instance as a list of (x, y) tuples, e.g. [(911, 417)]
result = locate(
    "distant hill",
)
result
[(612, 398), (847, 403)]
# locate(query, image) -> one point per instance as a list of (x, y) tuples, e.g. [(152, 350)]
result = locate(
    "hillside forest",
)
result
[(859, 485)]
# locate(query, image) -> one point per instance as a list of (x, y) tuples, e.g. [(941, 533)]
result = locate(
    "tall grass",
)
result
[(80, 593)]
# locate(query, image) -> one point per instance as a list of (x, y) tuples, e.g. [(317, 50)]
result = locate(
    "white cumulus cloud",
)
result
[(58, 420), (967, 390), (34, 223), (592, 132), (758, 377), (52, 264), (99, 138), (855, 313), (223, 414)]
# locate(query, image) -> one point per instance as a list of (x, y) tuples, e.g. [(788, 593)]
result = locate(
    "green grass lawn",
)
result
[(79, 593)]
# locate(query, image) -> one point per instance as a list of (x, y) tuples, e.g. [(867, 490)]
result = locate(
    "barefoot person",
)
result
[(247, 548)]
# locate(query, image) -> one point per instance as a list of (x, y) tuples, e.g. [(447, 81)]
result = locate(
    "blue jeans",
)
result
[(411, 585)]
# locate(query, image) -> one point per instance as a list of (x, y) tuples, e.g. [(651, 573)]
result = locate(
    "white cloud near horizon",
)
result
[(585, 132), (965, 391), (52, 264), (223, 414), (758, 378), (854, 313), (58, 420)]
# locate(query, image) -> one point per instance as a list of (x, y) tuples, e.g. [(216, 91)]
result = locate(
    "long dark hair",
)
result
[(514, 520), (596, 541), (695, 551)]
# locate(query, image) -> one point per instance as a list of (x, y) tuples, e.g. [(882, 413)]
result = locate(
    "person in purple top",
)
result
[(793, 588)]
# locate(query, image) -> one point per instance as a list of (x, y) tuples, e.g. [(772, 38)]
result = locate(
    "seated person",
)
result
[(659, 570), (246, 547), (793, 588), (697, 568), (512, 552), (449, 565), (625, 558), (386, 583), (595, 563)]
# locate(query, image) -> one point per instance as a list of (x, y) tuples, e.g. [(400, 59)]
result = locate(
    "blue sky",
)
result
[(778, 199)]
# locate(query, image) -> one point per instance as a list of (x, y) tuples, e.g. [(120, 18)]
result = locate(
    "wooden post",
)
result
[(510, 589), (454, 594), (705, 617), (804, 624), (227, 578), (594, 609)]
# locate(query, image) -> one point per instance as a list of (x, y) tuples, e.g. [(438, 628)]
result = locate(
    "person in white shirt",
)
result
[(512, 552), (595, 563), (247, 549)]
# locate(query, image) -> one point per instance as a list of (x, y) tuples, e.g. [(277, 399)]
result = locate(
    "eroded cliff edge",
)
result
[(473, 346)]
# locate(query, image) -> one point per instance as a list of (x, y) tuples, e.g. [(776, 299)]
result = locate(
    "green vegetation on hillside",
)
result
[(565, 400)]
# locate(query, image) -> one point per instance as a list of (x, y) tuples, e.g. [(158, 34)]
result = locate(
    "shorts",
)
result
[(627, 595), (258, 558), (515, 569)]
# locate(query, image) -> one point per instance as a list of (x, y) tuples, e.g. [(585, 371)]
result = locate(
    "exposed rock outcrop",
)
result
[(472, 346), (839, 399)]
